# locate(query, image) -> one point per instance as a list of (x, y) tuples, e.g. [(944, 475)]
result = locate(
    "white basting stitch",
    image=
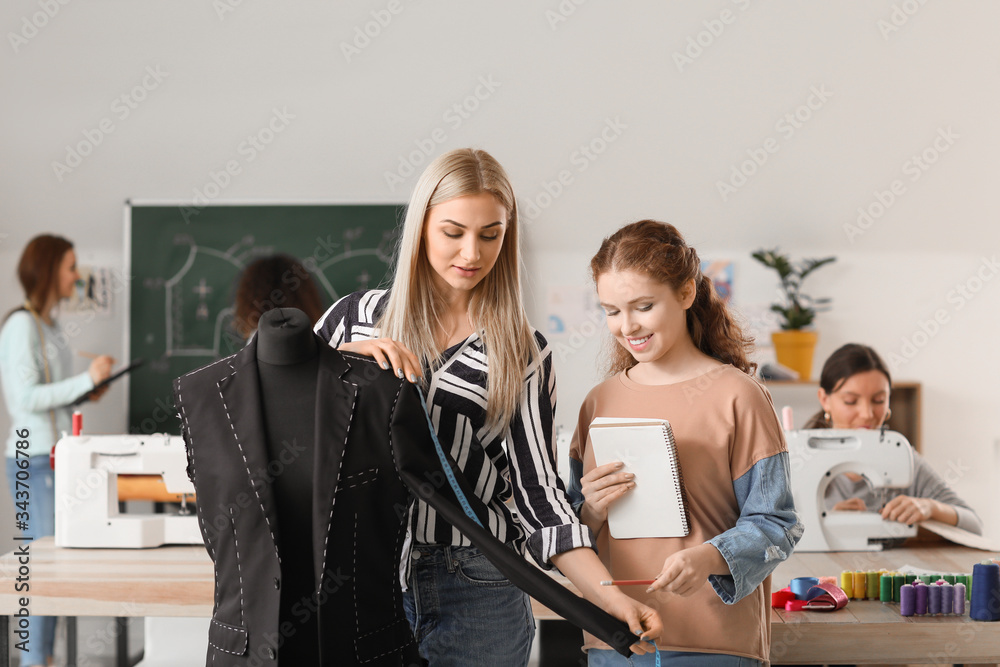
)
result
[(246, 463), (239, 568), (371, 478), (333, 503), (228, 627), (198, 370), (201, 518)]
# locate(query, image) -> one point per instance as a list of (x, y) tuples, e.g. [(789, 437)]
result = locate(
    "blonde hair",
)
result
[(412, 313)]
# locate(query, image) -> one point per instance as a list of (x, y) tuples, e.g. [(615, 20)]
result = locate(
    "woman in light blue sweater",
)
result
[(38, 388)]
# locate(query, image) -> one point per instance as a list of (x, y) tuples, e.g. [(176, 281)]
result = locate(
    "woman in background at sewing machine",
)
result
[(854, 389), (36, 366)]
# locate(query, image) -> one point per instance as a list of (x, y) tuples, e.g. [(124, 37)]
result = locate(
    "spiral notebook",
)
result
[(657, 506)]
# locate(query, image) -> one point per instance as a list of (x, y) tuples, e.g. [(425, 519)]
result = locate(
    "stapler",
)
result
[(91, 473), (884, 458)]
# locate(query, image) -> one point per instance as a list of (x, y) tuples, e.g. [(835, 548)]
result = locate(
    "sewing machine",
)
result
[(94, 472), (884, 458)]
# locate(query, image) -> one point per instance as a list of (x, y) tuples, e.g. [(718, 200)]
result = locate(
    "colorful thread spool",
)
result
[(847, 582), (907, 600), (950, 578), (985, 605), (921, 595), (897, 583), (872, 585), (947, 598), (959, 599), (885, 588), (860, 584), (910, 578), (934, 600)]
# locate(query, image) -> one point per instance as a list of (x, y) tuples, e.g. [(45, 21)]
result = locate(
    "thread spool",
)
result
[(966, 581), (77, 422), (909, 578), (828, 580), (959, 602), (800, 585), (847, 583), (950, 578), (872, 585), (907, 600), (934, 600), (860, 584), (947, 598), (985, 605), (921, 595), (897, 584), (885, 588)]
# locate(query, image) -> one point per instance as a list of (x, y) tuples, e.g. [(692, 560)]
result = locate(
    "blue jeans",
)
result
[(606, 658), (41, 523), (463, 612)]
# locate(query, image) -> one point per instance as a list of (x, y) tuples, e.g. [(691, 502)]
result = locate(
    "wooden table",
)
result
[(178, 581)]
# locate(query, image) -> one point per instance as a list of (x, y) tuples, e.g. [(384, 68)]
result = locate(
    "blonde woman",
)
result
[(453, 320)]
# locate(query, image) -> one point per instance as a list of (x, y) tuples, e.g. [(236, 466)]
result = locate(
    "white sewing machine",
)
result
[(92, 473), (884, 458)]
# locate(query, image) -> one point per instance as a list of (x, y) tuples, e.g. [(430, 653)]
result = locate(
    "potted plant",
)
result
[(794, 344)]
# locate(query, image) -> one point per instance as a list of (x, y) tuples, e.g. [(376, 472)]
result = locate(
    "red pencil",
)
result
[(628, 582)]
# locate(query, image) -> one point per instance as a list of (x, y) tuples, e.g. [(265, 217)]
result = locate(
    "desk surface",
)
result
[(178, 581)]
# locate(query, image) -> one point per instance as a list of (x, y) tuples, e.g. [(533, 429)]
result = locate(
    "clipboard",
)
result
[(135, 363), (657, 506)]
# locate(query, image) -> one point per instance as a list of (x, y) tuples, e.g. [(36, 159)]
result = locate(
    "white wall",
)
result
[(552, 87)]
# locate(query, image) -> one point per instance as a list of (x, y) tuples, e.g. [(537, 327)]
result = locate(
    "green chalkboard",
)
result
[(185, 262)]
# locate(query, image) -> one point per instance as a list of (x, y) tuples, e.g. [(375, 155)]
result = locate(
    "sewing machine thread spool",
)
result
[(934, 599), (985, 605), (959, 602), (847, 583), (920, 591), (897, 584), (885, 588), (907, 600), (947, 598), (871, 585), (950, 578), (965, 580), (910, 578), (860, 583), (77, 422)]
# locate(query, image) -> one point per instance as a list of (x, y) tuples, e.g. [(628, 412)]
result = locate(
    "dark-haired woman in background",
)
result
[(854, 389), (275, 281), (38, 387)]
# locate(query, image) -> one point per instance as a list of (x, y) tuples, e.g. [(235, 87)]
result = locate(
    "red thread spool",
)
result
[(77, 422)]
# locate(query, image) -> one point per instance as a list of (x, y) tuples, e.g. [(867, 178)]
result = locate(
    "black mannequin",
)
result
[(287, 365)]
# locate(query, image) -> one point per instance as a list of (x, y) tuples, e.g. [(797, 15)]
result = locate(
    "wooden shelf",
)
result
[(905, 402)]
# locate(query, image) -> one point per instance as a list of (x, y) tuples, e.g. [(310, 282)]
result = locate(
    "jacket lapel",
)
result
[(242, 402), (335, 399)]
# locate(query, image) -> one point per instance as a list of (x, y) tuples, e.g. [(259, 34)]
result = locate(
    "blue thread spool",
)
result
[(985, 592)]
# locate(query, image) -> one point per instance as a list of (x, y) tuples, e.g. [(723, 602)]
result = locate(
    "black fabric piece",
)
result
[(372, 447), (420, 469)]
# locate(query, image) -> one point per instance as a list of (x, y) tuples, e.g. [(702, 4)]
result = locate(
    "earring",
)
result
[(888, 414), (826, 417)]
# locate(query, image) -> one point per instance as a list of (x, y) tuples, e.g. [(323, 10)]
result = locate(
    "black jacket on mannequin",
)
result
[(371, 441)]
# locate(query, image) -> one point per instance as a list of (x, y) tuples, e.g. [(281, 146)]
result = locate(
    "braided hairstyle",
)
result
[(657, 249)]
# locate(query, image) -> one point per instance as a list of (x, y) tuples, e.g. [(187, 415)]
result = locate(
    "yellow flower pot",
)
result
[(795, 348)]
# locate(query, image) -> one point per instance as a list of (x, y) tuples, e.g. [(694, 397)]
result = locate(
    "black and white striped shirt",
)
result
[(513, 462)]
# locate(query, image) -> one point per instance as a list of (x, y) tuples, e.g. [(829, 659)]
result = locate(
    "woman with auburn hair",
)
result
[(274, 281), (453, 320), (854, 389), (677, 354), (38, 387)]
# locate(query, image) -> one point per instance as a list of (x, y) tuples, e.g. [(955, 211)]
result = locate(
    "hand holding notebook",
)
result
[(656, 506)]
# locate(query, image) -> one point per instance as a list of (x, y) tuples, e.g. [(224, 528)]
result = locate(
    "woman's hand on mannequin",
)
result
[(100, 368), (850, 505), (600, 487), (910, 510), (389, 354)]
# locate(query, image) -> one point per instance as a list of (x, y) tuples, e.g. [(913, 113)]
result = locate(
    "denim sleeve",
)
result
[(766, 532)]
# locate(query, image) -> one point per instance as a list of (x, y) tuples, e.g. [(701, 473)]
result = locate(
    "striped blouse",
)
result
[(514, 463)]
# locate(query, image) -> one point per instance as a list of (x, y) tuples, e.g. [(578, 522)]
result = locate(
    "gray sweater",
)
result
[(926, 484)]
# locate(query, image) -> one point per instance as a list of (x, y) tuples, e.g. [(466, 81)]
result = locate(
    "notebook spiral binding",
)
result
[(668, 437)]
